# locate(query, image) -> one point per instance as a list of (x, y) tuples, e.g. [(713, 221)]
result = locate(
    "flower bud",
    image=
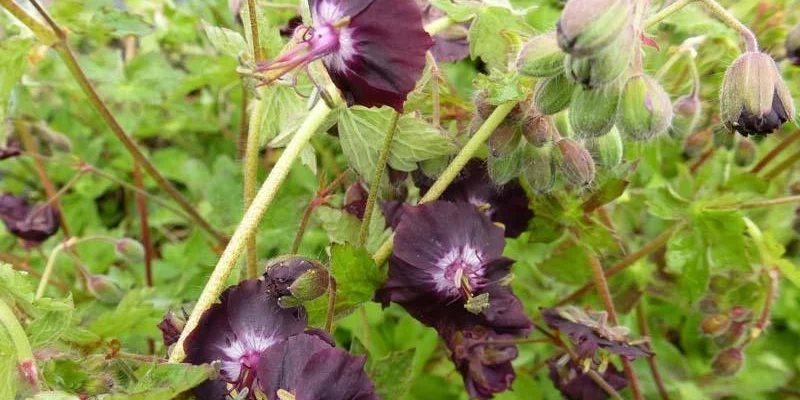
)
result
[(541, 57), (504, 140), (715, 324), (606, 150), (793, 45), (745, 153), (553, 94), (592, 111), (577, 165), (723, 138), (733, 336), (171, 327), (645, 109), (728, 362), (561, 121), (355, 200), (104, 289), (754, 99), (296, 280), (588, 25), (696, 143), (686, 114), (605, 65), (540, 170), (29, 372), (537, 129), (129, 250), (741, 314), (502, 169), (482, 105)]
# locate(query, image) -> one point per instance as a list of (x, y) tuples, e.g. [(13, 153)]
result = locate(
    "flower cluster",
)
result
[(33, 224), (448, 272)]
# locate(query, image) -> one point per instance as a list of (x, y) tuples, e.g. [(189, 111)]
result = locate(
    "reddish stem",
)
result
[(141, 205), (780, 147)]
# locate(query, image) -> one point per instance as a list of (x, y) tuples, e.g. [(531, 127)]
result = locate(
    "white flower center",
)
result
[(459, 272), (243, 352)]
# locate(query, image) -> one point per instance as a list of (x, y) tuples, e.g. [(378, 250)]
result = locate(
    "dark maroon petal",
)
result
[(485, 367), (171, 328), (211, 390), (588, 340), (34, 224), (574, 384), (505, 313), (284, 362), (447, 49), (333, 374), (251, 311), (355, 200), (392, 212)]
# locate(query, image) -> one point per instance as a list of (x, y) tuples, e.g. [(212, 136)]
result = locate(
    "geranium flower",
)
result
[(447, 270), (506, 204), (374, 50), (575, 384), (589, 332), (237, 330), (33, 224)]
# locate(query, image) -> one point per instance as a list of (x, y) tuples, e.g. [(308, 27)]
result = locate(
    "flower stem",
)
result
[(17, 334), (319, 199), (451, 172), (644, 331), (779, 148), (377, 177), (141, 206), (751, 44), (331, 305), (250, 221), (51, 260), (626, 262), (773, 281), (786, 164), (251, 12), (41, 31), (251, 176)]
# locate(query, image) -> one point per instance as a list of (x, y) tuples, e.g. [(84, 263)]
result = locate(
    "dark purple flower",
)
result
[(34, 224), (307, 366), (171, 327), (483, 358), (506, 204), (238, 329), (589, 332), (575, 384), (11, 149), (447, 270), (355, 200), (451, 44), (374, 50)]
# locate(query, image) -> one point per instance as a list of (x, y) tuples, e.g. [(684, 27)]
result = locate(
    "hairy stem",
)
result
[(48, 269), (778, 149), (141, 206), (45, 34), (644, 330), (217, 281), (377, 177), (318, 200), (715, 9), (455, 167), (773, 281), (331, 305), (252, 13), (16, 333), (251, 176)]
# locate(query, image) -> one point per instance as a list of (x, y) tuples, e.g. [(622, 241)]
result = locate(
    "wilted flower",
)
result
[(645, 109), (355, 200), (590, 332), (793, 45), (307, 366), (34, 224), (11, 149), (294, 280), (447, 270), (374, 50), (506, 204), (451, 44), (754, 99), (588, 25), (483, 358), (237, 330), (575, 384)]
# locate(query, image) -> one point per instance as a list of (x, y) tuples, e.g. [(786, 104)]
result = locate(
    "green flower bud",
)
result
[(482, 105), (576, 164), (537, 129), (686, 115), (129, 250), (592, 111), (645, 109), (696, 143), (728, 362), (715, 324), (310, 285), (745, 153), (104, 289), (793, 45), (295, 280), (606, 150), (553, 94), (503, 169), (586, 26), (504, 140), (561, 121), (540, 169), (603, 66), (541, 57), (754, 100)]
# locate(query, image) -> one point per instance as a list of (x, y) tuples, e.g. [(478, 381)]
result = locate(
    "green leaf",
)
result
[(504, 87), (686, 256), (226, 41), (280, 112), (568, 265), (667, 204), (362, 132), (723, 232), (12, 53), (118, 23), (610, 191), (357, 276), (268, 34), (486, 35), (459, 12), (53, 395), (165, 381), (134, 314), (392, 374), (15, 283), (55, 319)]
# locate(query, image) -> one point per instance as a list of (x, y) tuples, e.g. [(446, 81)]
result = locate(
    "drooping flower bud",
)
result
[(696, 143), (295, 280), (502, 169), (553, 94), (745, 153), (504, 140), (754, 100), (715, 324), (606, 150), (171, 327), (104, 289), (29, 372), (541, 57), (793, 45), (540, 169), (645, 109), (355, 200), (537, 129), (588, 25), (604, 66), (728, 362), (592, 111), (686, 114), (129, 250), (576, 164), (483, 108)]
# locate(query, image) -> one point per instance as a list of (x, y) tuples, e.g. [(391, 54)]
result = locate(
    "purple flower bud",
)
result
[(374, 50), (485, 366), (728, 362), (355, 200), (745, 153), (34, 224), (793, 45), (715, 324), (577, 164), (171, 327), (296, 279), (754, 100), (588, 25), (11, 149), (645, 109), (104, 289), (29, 372), (686, 114), (130, 250), (696, 143), (504, 140), (575, 384), (538, 129)]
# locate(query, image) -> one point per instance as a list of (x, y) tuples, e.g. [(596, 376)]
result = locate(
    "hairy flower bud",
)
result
[(129, 250), (605, 65), (793, 45), (745, 153), (540, 56), (576, 164), (29, 372), (540, 170), (504, 140), (104, 289), (645, 109), (171, 327), (592, 111), (537, 129), (295, 280), (696, 143), (355, 200), (754, 99), (553, 94), (606, 150), (483, 108), (686, 114), (588, 25), (715, 324), (728, 362), (502, 169)]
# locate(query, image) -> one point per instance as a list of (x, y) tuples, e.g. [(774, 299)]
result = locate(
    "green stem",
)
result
[(218, 279), (251, 11), (766, 203), (751, 44), (41, 31), (51, 260), (17, 334), (251, 176), (377, 178), (451, 172)]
